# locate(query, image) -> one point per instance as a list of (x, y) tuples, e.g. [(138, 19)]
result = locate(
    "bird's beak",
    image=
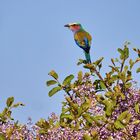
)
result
[(67, 25)]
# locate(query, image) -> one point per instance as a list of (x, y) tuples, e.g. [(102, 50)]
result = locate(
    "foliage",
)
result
[(95, 107), (107, 107), (5, 115)]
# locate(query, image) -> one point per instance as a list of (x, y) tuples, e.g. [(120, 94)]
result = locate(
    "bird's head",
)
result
[(74, 26)]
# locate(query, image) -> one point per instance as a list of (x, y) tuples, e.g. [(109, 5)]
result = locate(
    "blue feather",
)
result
[(86, 49)]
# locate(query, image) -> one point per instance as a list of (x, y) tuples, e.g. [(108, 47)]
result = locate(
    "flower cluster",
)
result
[(14, 131)]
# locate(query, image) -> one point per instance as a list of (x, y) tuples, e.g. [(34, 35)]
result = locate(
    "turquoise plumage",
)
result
[(82, 38)]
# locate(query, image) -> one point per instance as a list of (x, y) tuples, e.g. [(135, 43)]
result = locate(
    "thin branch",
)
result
[(100, 77), (122, 65), (128, 135), (98, 74), (69, 95), (64, 88), (121, 69)]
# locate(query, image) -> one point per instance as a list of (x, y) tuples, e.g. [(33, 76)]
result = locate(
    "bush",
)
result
[(95, 107)]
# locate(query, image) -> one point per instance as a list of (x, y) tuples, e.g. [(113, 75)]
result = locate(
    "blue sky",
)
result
[(33, 41)]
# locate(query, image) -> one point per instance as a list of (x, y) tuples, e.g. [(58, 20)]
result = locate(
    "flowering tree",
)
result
[(95, 107)]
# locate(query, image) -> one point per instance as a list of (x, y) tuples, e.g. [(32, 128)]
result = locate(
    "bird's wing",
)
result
[(83, 40)]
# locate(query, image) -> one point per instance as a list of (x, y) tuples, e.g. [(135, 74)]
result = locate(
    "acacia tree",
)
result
[(95, 107)]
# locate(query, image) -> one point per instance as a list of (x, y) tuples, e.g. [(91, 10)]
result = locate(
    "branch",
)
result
[(100, 77), (122, 65), (121, 69), (69, 95)]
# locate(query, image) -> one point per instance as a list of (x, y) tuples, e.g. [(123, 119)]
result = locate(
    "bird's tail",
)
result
[(87, 55)]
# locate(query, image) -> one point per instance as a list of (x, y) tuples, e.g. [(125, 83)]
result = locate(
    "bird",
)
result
[(82, 38)]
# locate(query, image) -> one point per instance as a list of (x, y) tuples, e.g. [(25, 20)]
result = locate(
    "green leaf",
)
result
[(99, 98), (122, 96), (42, 123), (65, 110), (129, 75), (102, 85), (5, 110), (87, 137), (66, 116), (136, 122), (18, 104), (10, 101), (126, 52), (121, 53), (89, 66), (118, 125), (9, 114), (131, 63), (138, 70), (122, 120), (137, 50), (15, 105), (137, 108), (68, 79), (53, 74), (81, 61), (64, 103), (51, 82), (94, 134), (74, 106), (86, 104), (122, 76), (80, 75), (99, 119), (109, 106), (54, 90), (123, 115), (87, 117), (128, 85), (138, 135), (2, 137), (108, 94), (114, 77), (42, 131), (98, 61), (80, 111), (125, 68), (114, 68)]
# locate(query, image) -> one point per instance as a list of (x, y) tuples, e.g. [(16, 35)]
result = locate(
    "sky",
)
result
[(33, 41)]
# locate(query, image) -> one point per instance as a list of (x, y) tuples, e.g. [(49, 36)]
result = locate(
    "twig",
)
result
[(128, 135), (69, 95), (122, 65), (100, 77)]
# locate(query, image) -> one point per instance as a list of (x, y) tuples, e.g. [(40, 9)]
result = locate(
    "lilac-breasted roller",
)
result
[(82, 38)]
